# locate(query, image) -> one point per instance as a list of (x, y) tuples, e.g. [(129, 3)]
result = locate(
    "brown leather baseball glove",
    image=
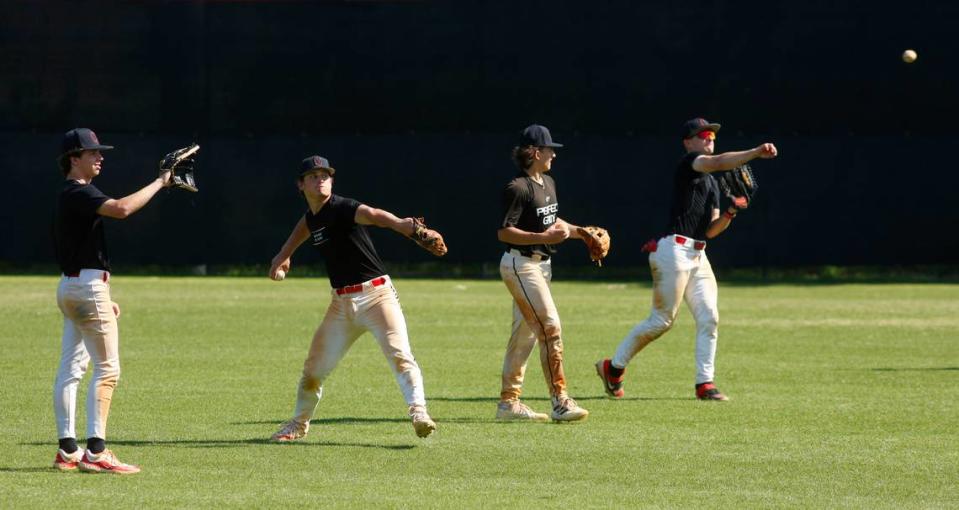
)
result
[(429, 239), (597, 241)]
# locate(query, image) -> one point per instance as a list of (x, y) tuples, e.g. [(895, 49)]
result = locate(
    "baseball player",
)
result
[(362, 299), (89, 314), (530, 228), (678, 260)]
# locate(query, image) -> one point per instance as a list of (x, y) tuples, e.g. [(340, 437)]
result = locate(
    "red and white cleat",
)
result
[(291, 431), (67, 461), (105, 462), (612, 385)]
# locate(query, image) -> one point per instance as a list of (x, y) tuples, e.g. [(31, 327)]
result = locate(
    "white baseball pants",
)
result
[(89, 331), (680, 271), (375, 308), (534, 318)]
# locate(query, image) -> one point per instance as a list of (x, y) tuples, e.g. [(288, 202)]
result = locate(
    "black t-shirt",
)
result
[(346, 246), (78, 239), (530, 206), (695, 195)]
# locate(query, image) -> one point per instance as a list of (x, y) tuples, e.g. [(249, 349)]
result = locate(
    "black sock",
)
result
[(96, 445), (69, 444), (615, 372)]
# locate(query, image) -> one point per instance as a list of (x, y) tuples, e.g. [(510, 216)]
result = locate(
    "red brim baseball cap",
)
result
[(693, 126)]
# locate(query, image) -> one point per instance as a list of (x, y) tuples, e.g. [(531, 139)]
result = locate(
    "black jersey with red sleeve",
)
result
[(531, 207), (695, 195), (78, 238), (345, 244)]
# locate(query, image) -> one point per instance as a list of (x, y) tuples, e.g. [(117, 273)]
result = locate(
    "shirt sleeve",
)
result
[(687, 163), (514, 199), (87, 199), (347, 212)]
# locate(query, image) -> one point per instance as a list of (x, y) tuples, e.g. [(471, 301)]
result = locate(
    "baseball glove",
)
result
[(738, 182), (180, 164), (597, 242), (428, 239)]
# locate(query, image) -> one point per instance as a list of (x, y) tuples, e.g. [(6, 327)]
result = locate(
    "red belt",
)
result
[(697, 245), (350, 289), (106, 275)]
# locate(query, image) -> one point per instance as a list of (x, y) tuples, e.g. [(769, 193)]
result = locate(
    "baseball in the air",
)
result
[(909, 56), (279, 275)]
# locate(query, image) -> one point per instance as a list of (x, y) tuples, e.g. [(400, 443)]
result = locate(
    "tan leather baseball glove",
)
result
[(597, 242), (429, 239)]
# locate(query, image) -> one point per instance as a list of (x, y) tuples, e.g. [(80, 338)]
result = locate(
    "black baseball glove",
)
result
[(738, 182), (180, 164)]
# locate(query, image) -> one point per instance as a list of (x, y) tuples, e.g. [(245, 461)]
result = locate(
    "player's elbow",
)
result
[(116, 210), (502, 235), (124, 213)]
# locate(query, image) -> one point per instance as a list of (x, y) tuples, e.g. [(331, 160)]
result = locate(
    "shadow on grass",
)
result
[(547, 399), (232, 443), (923, 369), (29, 470), (320, 421)]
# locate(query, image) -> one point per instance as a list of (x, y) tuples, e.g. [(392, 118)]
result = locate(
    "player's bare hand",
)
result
[(279, 264), (740, 202), (556, 233), (767, 151), (116, 308)]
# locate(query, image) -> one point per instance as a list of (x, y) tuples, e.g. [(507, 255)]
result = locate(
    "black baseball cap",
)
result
[(314, 162), (537, 136), (693, 126), (81, 139)]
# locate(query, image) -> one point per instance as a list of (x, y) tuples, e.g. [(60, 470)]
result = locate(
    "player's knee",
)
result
[(310, 383), (709, 320), (662, 322), (403, 361), (108, 378), (552, 329)]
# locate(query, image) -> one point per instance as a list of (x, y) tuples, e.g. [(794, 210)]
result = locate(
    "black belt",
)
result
[(530, 253)]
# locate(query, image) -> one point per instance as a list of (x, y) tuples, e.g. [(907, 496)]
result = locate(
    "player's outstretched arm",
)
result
[(122, 208), (414, 228), (366, 215), (729, 160), (298, 236)]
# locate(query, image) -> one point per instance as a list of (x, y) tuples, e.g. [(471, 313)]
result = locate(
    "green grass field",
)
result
[(842, 396)]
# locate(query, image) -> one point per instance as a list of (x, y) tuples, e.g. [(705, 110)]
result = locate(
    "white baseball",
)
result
[(280, 274), (909, 56)]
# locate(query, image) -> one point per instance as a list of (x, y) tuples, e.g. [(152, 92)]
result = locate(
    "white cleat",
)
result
[(422, 423), (291, 431), (514, 410), (566, 409)]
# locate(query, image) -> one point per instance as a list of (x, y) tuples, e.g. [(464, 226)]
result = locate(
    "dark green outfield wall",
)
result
[(416, 104)]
